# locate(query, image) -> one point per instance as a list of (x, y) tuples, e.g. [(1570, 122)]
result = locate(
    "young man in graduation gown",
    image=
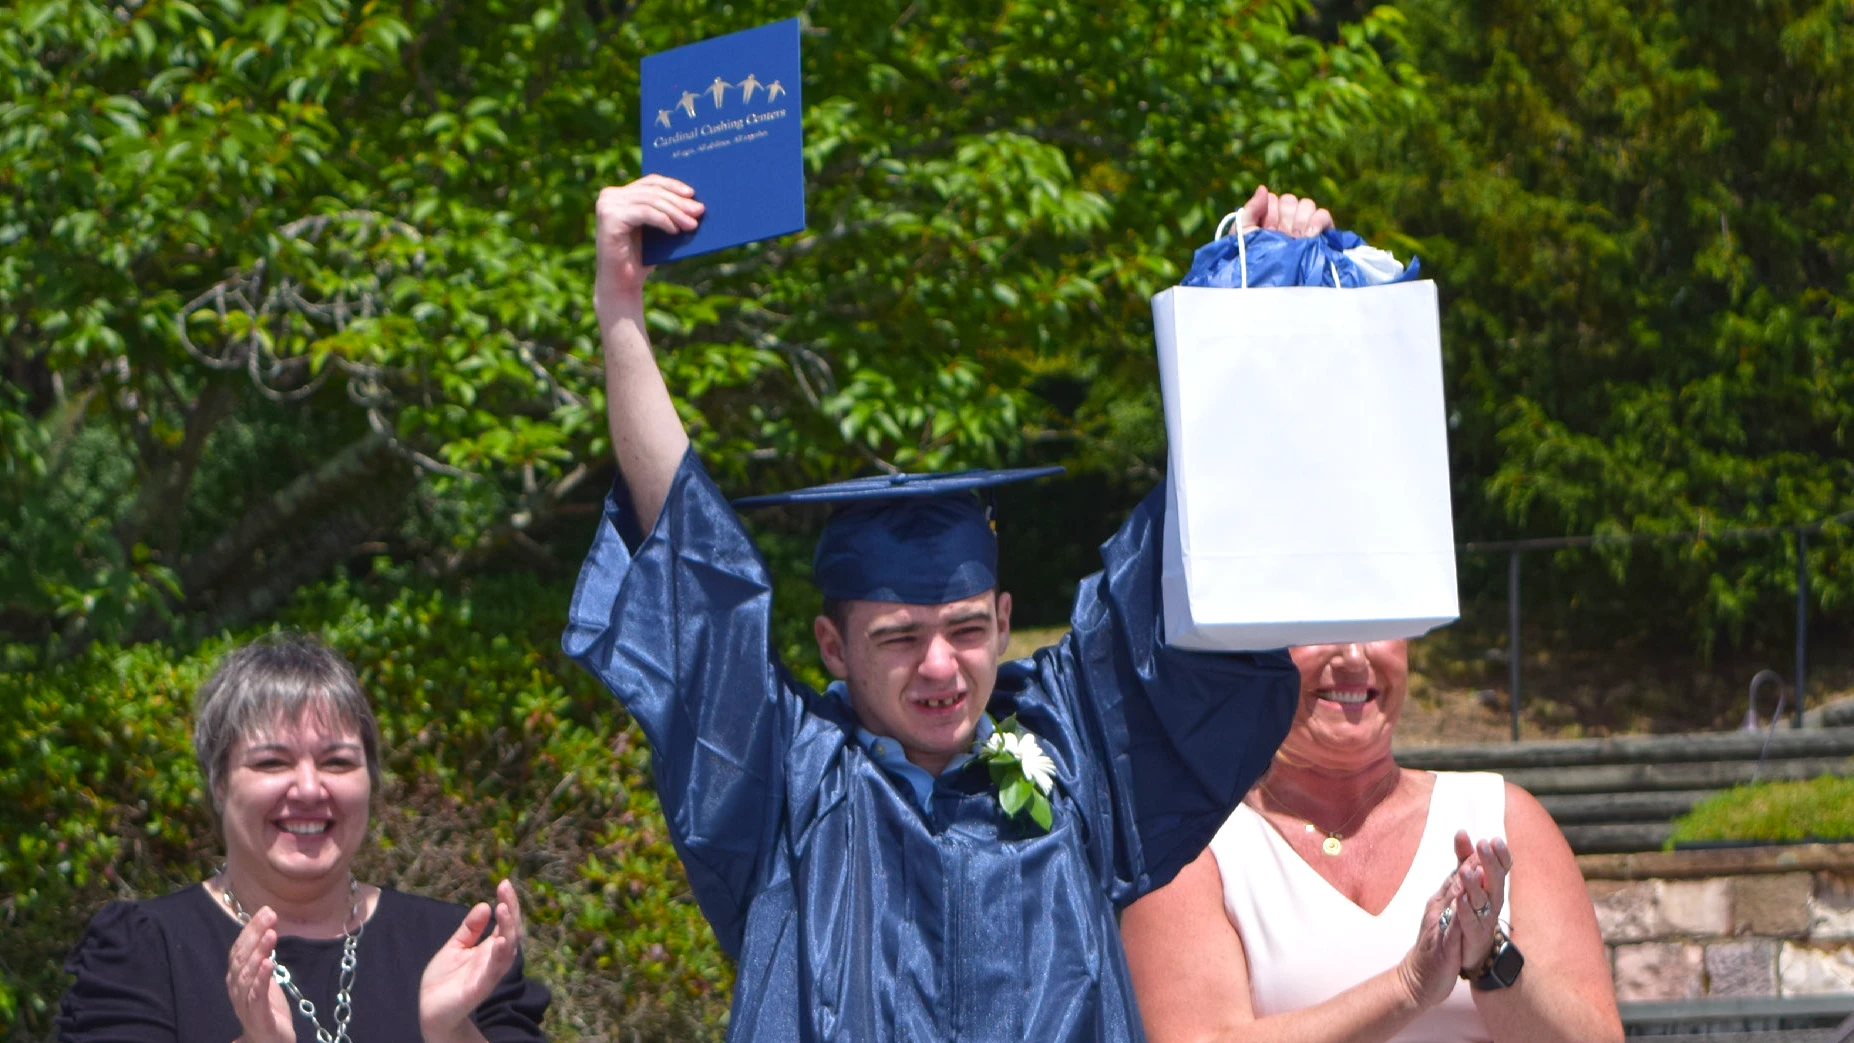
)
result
[(848, 847)]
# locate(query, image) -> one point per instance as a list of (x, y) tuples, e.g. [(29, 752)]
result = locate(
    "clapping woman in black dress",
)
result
[(282, 944)]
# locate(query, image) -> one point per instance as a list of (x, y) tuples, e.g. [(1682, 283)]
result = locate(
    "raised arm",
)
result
[(673, 605), (647, 435)]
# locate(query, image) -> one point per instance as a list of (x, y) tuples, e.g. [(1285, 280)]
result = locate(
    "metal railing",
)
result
[(1514, 549), (1758, 680)]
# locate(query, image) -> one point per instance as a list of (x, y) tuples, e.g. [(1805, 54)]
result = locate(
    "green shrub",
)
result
[(501, 757), (1819, 809)]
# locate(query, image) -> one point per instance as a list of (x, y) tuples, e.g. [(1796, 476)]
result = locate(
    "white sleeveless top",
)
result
[(1306, 943)]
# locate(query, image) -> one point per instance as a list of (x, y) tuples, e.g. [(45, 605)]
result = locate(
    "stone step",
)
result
[(1616, 838), (1636, 778), (1588, 809), (1837, 714), (1807, 1035), (1813, 743), (1781, 860), (1760, 1019), (1620, 795)]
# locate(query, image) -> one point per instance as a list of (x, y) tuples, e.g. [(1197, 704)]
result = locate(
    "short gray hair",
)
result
[(277, 680)]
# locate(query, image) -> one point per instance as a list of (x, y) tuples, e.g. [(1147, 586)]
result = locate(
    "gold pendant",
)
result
[(1331, 845)]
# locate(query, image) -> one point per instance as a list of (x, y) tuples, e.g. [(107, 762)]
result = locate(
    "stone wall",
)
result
[(1753, 922)]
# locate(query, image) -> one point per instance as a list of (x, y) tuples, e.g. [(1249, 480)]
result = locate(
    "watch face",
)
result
[(1506, 964)]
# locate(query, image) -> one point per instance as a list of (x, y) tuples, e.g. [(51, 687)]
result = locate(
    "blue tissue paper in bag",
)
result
[(1277, 259)]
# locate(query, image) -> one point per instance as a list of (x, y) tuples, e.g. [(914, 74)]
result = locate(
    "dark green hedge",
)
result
[(502, 757)]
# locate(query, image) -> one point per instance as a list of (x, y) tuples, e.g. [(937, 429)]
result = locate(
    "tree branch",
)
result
[(536, 506), (359, 463), (169, 474), (332, 539)]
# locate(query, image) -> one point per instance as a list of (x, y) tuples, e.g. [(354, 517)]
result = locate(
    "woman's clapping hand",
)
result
[(1430, 968), (1481, 877), (263, 1011), (464, 972), (1458, 922)]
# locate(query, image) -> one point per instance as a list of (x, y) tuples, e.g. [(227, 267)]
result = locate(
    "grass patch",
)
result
[(1818, 809)]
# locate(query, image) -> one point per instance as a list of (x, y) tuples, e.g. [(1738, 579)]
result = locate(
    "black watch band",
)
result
[(1502, 966)]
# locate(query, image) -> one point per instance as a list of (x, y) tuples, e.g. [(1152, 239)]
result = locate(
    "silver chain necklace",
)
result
[(350, 945)]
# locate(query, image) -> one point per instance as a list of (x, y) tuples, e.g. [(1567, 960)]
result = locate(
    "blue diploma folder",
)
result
[(723, 115)]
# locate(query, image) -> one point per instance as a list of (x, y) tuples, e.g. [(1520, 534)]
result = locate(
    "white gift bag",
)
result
[(1309, 491)]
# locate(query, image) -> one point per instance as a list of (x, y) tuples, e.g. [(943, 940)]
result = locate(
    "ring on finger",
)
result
[(1447, 918), (1481, 911)]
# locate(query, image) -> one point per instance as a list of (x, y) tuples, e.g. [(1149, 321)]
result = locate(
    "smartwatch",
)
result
[(1502, 966)]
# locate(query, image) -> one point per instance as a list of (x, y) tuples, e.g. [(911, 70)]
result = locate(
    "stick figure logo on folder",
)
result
[(718, 90)]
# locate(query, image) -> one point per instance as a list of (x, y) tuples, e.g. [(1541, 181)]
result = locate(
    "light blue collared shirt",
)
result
[(889, 754)]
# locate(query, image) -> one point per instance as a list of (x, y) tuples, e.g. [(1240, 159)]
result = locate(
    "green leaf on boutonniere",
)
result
[(1039, 808), (1016, 794)]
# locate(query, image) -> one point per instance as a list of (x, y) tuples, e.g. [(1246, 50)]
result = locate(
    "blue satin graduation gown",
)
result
[(856, 914)]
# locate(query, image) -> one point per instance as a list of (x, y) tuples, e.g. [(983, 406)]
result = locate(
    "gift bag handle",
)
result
[(1239, 217)]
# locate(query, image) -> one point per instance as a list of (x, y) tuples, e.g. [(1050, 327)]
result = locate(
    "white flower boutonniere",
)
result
[(1022, 772)]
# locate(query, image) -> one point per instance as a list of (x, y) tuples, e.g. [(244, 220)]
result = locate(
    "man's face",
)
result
[(919, 674)]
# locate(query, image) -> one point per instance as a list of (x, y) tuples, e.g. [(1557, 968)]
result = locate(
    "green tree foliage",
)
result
[(284, 286), (287, 285), (371, 221), (1641, 218)]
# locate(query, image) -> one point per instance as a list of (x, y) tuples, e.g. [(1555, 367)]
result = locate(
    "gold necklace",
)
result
[(1335, 838)]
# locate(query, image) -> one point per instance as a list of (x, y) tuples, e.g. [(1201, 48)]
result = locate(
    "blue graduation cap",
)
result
[(920, 539)]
